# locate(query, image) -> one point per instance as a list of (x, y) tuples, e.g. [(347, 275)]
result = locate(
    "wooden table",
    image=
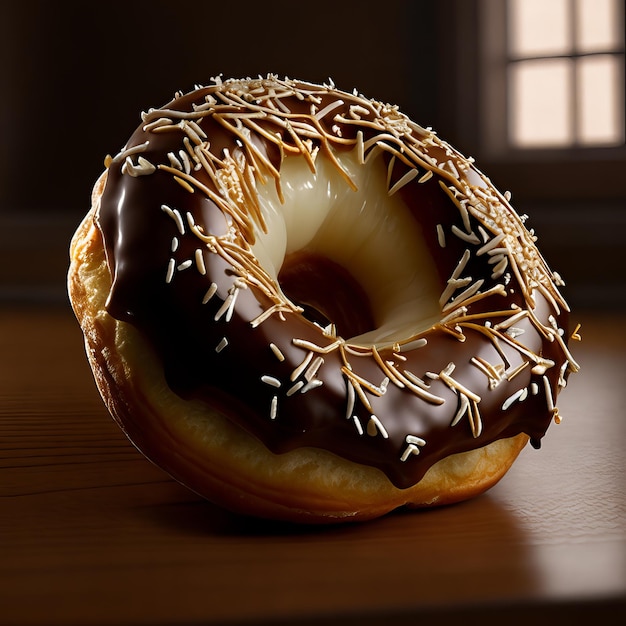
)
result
[(91, 533)]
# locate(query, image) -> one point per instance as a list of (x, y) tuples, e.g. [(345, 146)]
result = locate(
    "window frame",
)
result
[(479, 62)]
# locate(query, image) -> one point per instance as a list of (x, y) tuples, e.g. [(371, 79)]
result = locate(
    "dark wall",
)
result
[(77, 75)]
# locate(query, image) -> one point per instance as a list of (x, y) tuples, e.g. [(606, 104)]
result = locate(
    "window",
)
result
[(565, 73), (552, 74)]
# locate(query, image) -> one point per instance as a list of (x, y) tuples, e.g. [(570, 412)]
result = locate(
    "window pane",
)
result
[(598, 26), (538, 27), (540, 110), (599, 94)]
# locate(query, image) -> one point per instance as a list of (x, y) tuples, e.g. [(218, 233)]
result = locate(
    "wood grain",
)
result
[(91, 533)]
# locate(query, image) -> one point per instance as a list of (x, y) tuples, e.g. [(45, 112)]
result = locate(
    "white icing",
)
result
[(368, 232)]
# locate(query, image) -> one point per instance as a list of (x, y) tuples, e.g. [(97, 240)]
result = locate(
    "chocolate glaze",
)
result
[(138, 236)]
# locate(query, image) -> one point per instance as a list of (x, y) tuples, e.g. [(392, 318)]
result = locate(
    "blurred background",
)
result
[(533, 89)]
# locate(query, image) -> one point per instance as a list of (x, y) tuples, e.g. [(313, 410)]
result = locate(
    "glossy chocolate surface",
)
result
[(279, 375)]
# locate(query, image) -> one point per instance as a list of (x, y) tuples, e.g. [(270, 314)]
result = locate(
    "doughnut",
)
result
[(304, 306)]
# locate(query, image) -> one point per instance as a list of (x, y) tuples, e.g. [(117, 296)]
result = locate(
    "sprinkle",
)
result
[(492, 243), (271, 380), (511, 374), (143, 167), (359, 147), (500, 268), (513, 398), (124, 154), (357, 423), (221, 345), (427, 176), (303, 365), (185, 265), (328, 108), (463, 407), (184, 184), (295, 388), (374, 426), (210, 293), (312, 384), (199, 258), (276, 350), (174, 245), (350, 398), (176, 216), (407, 178), (274, 407), (312, 370), (420, 388), (414, 444), (469, 237), (461, 264), (171, 266), (455, 384), (513, 319), (413, 345), (548, 389), (441, 236), (464, 295)]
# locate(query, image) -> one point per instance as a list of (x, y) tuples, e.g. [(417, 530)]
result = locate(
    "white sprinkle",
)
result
[(410, 449), (274, 407), (143, 167), (176, 216), (463, 407), (509, 321), (534, 389), (507, 196), (453, 169), (174, 162), (513, 398), (441, 236), (210, 293), (174, 245), (185, 265), (548, 390), (357, 423), (328, 108), (464, 295), (351, 398), (313, 368), (221, 345), (427, 176), (298, 370), (407, 178), (469, 237), (416, 441), (461, 264), (359, 145), (374, 426), (124, 154), (413, 345), (500, 268), (276, 350), (312, 384), (492, 243), (171, 266), (271, 380), (199, 258), (413, 447), (295, 388)]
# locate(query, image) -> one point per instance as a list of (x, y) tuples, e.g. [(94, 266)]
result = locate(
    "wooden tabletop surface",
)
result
[(92, 534)]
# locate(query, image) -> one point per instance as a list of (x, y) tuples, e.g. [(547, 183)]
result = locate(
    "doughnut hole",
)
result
[(357, 259)]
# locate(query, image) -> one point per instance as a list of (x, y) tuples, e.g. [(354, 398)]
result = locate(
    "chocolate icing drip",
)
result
[(213, 325)]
